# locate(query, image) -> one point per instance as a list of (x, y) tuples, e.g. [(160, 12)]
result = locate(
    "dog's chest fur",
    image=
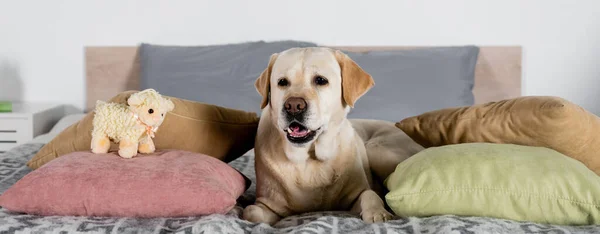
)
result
[(322, 185), (314, 174)]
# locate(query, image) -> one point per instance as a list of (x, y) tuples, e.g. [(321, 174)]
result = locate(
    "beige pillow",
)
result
[(219, 132), (543, 121)]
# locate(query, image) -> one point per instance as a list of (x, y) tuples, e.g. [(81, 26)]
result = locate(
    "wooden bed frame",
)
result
[(113, 69)]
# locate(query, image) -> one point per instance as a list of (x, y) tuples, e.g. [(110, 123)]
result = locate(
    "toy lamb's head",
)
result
[(150, 106)]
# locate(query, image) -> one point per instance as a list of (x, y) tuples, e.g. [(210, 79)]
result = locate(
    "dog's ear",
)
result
[(355, 81), (263, 83)]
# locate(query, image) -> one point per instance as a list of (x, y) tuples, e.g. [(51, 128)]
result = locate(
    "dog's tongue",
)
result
[(298, 131)]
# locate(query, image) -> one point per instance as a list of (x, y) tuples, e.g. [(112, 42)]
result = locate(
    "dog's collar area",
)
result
[(149, 129)]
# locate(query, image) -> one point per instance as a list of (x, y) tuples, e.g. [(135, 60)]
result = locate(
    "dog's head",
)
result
[(307, 89)]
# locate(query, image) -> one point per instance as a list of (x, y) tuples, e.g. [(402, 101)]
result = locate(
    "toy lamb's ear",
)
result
[(134, 100), (170, 105)]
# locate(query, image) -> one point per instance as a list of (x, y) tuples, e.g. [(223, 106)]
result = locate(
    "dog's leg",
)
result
[(259, 213), (371, 208)]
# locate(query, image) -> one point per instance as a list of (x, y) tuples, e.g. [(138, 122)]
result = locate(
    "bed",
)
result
[(110, 70)]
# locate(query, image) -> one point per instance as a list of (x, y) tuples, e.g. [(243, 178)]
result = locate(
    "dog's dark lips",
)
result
[(299, 134)]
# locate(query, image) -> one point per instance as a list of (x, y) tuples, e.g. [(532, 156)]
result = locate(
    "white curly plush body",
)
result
[(116, 122)]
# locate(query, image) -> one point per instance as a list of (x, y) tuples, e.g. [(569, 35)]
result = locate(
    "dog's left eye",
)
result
[(319, 80), (150, 111)]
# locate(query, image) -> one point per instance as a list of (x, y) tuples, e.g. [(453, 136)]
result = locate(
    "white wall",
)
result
[(41, 41)]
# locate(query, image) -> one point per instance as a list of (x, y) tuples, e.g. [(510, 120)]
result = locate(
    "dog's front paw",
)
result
[(257, 214), (376, 215), (236, 211)]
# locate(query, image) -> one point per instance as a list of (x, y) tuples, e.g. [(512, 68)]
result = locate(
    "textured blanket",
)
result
[(12, 168)]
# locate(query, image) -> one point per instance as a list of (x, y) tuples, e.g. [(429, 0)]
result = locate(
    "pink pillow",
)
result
[(170, 183)]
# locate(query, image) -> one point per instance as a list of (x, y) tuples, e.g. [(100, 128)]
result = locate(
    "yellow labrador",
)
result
[(309, 156)]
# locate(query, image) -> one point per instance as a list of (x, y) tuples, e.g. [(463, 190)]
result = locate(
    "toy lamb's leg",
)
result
[(128, 148), (100, 144), (146, 146)]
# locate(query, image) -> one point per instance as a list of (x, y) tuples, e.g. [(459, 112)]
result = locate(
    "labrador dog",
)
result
[(309, 156)]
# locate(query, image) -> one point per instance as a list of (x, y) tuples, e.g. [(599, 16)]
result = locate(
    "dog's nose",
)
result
[(295, 105)]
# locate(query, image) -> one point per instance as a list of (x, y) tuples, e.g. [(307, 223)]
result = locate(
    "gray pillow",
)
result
[(411, 82), (221, 75)]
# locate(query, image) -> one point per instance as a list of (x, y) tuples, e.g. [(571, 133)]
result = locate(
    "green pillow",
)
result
[(505, 181)]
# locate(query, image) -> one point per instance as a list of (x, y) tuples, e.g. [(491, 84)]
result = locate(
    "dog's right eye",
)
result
[(282, 82), (319, 80)]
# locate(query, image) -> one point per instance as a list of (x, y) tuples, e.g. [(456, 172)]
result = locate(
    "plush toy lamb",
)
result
[(132, 126)]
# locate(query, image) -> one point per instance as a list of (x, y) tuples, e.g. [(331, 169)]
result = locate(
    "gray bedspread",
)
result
[(12, 168)]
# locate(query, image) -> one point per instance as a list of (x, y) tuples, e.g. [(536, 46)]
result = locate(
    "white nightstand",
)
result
[(26, 121)]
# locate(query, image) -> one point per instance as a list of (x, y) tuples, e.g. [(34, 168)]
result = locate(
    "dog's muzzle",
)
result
[(295, 106), (297, 133), (295, 109)]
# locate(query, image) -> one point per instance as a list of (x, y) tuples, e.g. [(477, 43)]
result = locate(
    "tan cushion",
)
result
[(219, 132), (544, 121)]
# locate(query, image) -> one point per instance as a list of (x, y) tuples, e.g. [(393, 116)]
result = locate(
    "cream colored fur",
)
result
[(115, 121), (342, 168), (127, 124)]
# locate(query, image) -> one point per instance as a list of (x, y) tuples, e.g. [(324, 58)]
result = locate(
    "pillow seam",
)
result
[(501, 190)]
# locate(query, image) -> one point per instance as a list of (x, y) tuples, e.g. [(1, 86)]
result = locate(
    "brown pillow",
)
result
[(542, 121), (216, 131)]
